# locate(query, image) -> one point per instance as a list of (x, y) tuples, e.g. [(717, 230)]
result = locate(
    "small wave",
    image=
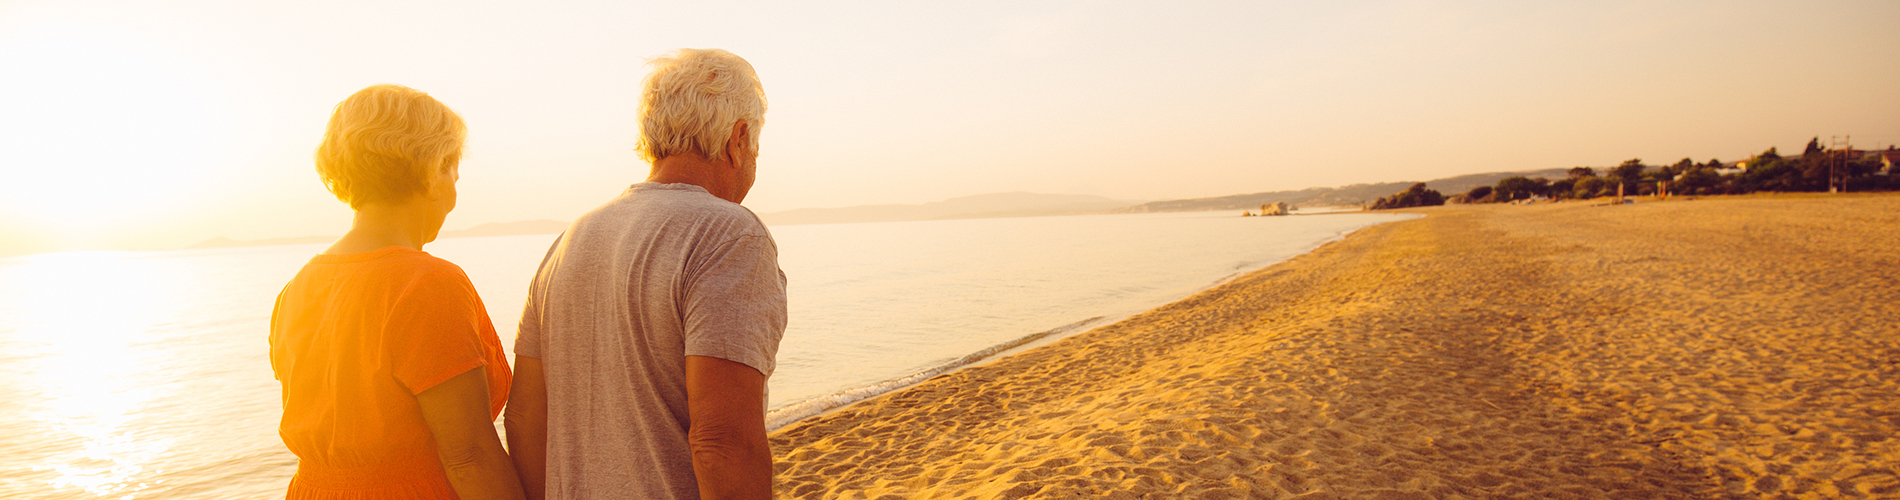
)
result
[(811, 407), (790, 414)]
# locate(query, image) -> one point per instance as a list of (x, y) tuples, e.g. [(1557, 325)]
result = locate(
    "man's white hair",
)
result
[(692, 99)]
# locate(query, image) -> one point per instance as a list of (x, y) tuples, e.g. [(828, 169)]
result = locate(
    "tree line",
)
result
[(1817, 169)]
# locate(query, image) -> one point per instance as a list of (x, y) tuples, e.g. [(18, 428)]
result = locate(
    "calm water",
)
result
[(146, 374)]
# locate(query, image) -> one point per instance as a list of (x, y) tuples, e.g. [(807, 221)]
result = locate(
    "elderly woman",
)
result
[(391, 371)]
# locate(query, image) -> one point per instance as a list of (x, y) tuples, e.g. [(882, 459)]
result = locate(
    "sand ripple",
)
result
[(1741, 347)]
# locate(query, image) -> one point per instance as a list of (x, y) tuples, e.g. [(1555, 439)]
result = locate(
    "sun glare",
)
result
[(102, 128), (86, 325)]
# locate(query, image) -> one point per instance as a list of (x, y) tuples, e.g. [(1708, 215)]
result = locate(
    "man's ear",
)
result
[(739, 141)]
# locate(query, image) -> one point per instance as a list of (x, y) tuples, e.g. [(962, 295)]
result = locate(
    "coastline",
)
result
[(1710, 348), (791, 414)]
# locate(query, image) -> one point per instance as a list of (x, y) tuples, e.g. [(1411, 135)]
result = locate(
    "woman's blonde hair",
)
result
[(383, 140), (692, 99)]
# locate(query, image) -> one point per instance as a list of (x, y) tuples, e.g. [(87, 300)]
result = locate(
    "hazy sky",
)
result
[(159, 124)]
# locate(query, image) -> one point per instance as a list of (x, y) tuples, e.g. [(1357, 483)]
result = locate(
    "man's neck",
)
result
[(716, 176)]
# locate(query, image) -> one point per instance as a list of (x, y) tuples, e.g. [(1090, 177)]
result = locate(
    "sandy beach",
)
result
[(1724, 347)]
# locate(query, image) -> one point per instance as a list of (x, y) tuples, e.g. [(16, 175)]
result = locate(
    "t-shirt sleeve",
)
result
[(735, 304), (528, 331), (434, 332)]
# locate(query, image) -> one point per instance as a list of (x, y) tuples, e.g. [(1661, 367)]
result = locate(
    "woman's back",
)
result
[(354, 338)]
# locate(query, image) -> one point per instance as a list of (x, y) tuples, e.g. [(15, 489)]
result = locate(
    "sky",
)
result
[(154, 125)]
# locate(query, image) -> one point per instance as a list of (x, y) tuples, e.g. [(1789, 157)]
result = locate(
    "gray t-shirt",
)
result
[(662, 272)]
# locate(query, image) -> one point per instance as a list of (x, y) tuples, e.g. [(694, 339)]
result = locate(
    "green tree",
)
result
[(1837, 168), (1630, 172), (1416, 196), (1864, 166), (1581, 172), (1650, 180), (1679, 167), (1813, 149), (1817, 171), (1857, 173), (1770, 173), (1591, 187), (1480, 194), (1520, 187), (1699, 180), (1563, 188)]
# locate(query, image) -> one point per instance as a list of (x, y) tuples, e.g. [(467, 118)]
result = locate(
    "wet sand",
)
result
[(1723, 347)]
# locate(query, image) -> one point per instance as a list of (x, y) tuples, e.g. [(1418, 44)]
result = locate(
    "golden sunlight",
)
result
[(103, 128), (88, 322)]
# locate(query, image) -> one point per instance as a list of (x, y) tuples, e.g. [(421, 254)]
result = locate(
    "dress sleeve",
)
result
[(435, 331), (277, 348), (735, 304)]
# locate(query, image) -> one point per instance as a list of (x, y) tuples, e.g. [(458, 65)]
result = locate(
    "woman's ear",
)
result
[(450, 169), (443, 175)]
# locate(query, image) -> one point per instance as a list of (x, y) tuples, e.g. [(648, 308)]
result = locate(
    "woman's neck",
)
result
[(409, 225)]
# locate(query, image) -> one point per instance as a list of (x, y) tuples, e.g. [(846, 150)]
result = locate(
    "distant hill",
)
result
[(980, 206), (1354, 195), (542, 226), (1017, 204)]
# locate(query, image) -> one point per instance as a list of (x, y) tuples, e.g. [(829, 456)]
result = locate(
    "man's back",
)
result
[(662, 272)]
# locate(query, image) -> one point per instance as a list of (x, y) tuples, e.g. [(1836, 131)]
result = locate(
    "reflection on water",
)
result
[(108, 388), (86, 315)]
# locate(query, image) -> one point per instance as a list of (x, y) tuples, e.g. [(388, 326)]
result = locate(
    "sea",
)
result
[(131, 375)]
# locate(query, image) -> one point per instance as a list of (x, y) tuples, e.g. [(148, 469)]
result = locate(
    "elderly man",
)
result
[(653, 322)]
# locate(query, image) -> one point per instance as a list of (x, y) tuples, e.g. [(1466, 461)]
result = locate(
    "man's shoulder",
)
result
[(680, 203)]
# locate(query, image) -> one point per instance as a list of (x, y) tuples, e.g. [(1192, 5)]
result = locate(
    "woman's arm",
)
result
[(527, 422), (458, 415)]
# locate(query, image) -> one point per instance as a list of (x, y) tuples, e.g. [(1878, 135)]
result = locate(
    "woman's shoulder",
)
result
[(425, 263), (408, 271), (435, 271)]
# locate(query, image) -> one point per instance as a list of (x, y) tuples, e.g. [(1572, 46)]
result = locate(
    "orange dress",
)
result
[(354, 338)]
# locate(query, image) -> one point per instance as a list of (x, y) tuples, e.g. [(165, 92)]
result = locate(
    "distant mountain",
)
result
[(542, 226), (980, 206), (1348, 196), (1017, 204)]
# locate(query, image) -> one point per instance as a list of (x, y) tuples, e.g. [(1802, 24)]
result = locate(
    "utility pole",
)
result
[(1831, 141), (1835, 164)]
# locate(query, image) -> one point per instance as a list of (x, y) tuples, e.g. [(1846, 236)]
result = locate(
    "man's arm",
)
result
[(457, 414), (726, 402), (527, 421)]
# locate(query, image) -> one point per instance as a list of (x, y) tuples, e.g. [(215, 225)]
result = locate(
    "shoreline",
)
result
[(1722, 348), (793, 413)]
